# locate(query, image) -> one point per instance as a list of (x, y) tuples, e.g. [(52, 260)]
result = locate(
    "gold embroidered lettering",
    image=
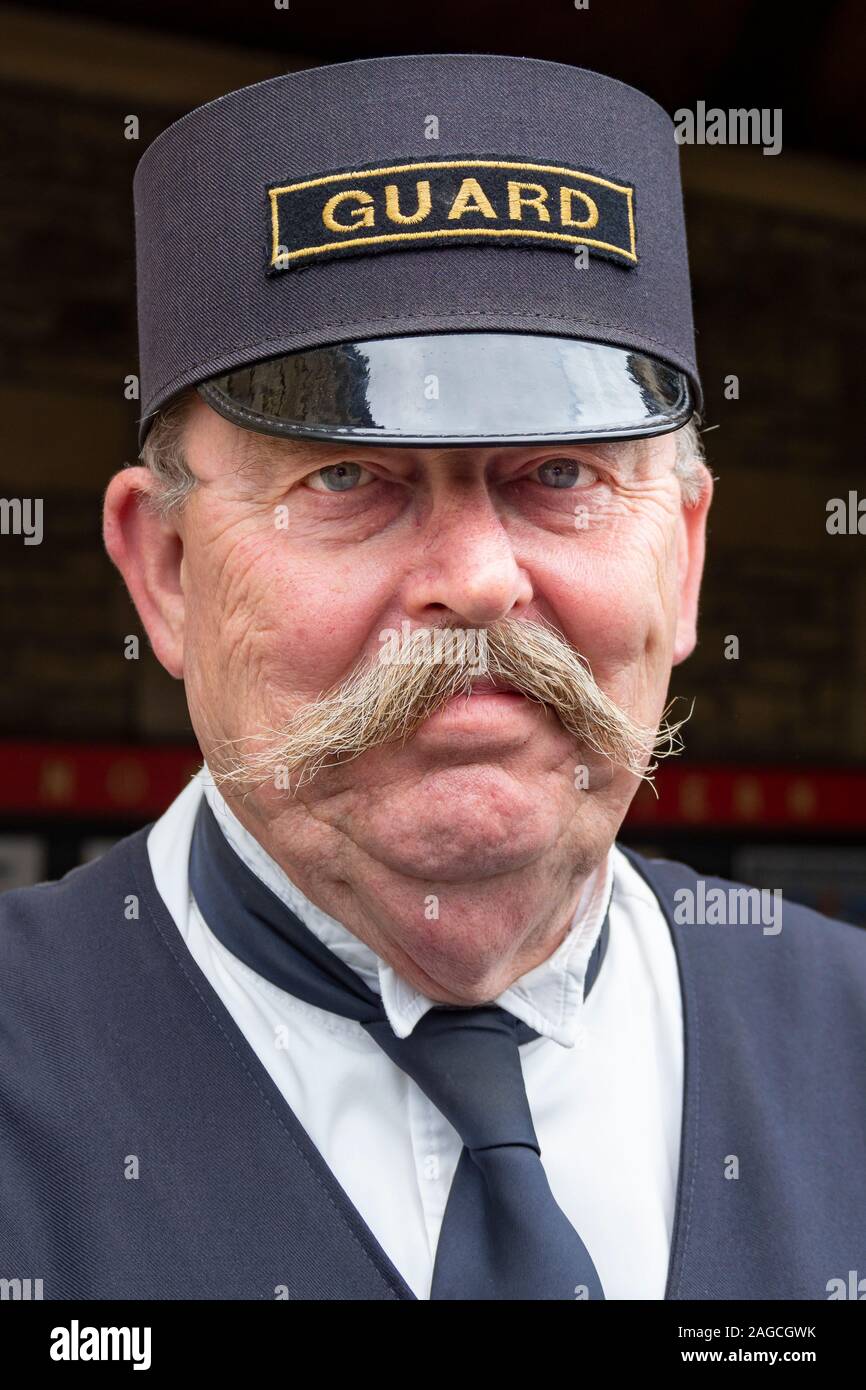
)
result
[(565, 197), (392, 203), (362, 216), (470, 198), (517, 200)]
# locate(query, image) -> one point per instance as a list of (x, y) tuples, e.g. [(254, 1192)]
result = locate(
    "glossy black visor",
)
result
[(456, 389)]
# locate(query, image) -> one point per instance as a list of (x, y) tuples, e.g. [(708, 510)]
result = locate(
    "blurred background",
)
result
[(772, 786)]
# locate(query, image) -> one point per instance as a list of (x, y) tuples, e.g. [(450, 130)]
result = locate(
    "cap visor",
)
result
[(456, 389)]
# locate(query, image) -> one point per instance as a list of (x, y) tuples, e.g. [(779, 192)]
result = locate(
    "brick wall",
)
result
[(779, 301)]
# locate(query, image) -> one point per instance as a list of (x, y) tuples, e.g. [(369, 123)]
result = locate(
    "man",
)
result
[(378, 1008)]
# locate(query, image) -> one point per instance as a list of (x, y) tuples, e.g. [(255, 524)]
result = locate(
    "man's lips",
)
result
[(486, 685), (491, 713)]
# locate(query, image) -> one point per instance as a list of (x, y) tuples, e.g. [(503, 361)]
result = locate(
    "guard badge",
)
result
[(421, 204)]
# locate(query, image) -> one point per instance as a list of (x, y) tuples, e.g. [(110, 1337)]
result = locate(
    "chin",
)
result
[(459, 964), (456, 862), (465, 828)]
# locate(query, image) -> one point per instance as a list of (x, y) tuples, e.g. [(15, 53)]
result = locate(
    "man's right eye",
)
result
[(339, 477)]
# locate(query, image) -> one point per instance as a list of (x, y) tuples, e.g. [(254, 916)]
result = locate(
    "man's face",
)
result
[(297, 556)]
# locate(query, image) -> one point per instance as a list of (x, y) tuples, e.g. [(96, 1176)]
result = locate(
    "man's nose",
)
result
[(466, 564)]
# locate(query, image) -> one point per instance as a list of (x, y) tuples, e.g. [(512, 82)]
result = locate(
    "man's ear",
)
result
[(691, 542), (148, 551)]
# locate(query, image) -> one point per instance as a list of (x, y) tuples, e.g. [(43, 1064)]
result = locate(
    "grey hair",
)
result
[(162, 453), (690, 464)]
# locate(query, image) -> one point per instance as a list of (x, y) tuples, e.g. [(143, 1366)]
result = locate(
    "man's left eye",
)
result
[(565, 472), (339, 477)]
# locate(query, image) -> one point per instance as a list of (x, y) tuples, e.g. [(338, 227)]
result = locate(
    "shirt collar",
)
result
[(549, 998)]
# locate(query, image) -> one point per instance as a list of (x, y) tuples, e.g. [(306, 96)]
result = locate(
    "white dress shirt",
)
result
[(604, 1081)]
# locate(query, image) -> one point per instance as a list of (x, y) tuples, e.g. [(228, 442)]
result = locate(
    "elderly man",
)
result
[(378, 1008)]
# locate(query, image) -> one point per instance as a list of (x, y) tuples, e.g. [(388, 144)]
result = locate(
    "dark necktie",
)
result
[(503, 1235)]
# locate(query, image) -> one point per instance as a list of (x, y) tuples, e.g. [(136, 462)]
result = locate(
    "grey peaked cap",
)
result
[(227, 191)]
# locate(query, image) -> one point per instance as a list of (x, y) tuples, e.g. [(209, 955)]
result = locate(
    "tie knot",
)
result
[(467, 1061)]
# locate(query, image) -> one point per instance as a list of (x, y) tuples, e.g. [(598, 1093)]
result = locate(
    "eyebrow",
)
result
[(621, 457), (615, 451), (261, 455)]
